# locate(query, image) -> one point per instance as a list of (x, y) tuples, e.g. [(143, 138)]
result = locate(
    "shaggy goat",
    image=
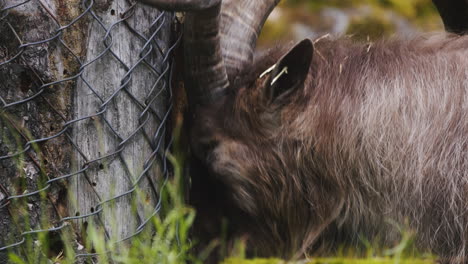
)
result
[(335, 143)]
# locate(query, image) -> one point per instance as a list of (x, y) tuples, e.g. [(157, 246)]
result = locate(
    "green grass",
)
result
[(166, 239)]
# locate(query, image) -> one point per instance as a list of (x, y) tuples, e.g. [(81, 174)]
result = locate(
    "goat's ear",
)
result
[(290, 72)]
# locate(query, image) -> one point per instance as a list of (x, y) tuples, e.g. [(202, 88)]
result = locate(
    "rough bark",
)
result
[(39, 118), (46, 114)]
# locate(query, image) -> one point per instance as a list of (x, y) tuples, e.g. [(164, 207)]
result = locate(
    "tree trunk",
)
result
[(82, 96)]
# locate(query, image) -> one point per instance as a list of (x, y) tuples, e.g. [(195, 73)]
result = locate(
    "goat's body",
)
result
[(376, 140), (398, 144), (336, 143)]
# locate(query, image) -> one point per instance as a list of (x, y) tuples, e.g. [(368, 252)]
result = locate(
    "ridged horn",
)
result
[(219, 41), (205, 73), (241, 24)]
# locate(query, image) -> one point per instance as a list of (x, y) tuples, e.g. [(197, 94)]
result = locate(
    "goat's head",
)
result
[(229, 94), (239, 104), (243, 111)]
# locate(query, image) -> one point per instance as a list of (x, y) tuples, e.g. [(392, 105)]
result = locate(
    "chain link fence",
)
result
[(85, 102)]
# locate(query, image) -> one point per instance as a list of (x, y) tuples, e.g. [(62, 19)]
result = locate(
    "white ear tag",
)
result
[(284, 71), (267, 71)]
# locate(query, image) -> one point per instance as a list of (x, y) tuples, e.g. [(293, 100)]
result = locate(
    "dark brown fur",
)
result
[(338, 143), (374, 139)]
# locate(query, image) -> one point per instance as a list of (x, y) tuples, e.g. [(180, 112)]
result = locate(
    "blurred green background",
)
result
[(363, 19)]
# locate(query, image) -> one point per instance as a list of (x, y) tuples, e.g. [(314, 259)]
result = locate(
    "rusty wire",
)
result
[(161, 69)]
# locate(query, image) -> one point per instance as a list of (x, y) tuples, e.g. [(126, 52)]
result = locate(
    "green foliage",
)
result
[(370, 19), (370, 27), (407, 8), (166, 240), (332, 261)]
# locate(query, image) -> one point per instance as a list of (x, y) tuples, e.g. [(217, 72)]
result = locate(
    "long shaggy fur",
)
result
[(376, 139)]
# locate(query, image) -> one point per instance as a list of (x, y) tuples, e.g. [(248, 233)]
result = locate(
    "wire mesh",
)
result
[(72, 110)]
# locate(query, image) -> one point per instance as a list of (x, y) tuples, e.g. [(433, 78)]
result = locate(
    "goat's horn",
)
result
[(241, 23), (206, 71), (205, 74)]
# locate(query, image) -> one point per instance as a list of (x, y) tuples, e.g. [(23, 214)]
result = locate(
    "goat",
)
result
[(335, 142)]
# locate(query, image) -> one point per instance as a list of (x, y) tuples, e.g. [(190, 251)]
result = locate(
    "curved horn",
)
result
[(205, 74), (241, 23), (211, 57), (454, 14)]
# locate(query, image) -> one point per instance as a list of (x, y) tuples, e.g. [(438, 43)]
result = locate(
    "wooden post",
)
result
[(116, 144), (70, 75)]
